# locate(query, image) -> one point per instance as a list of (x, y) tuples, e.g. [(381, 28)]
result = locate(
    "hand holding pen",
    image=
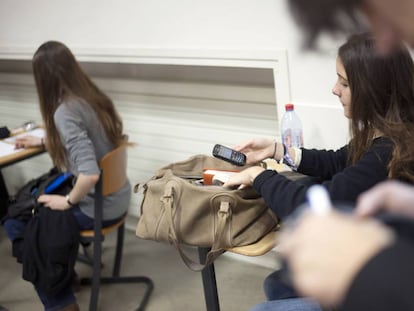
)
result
[(326, 248)]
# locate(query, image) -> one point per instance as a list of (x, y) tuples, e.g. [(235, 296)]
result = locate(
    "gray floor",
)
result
[(176, 287)]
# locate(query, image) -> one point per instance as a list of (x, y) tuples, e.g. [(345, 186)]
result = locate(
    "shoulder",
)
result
[(71, 108)]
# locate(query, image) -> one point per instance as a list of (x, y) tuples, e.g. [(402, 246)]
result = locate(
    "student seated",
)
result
[(377, 95), (82, 125)]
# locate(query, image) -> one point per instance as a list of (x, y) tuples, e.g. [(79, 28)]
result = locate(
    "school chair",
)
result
[(113, 177)]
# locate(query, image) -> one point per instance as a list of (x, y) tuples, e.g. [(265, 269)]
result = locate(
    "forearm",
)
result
[(280, 194), (84, 184)]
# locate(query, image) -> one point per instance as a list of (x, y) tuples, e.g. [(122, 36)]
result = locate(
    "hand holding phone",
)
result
[(229, 155)]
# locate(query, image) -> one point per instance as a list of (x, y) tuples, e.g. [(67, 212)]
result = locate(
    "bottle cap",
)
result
[(289, 107)]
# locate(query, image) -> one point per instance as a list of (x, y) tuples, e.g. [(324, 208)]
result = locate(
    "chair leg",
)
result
[(97, 279), (133, 279), (86, 258), (118, 251), (208, 275), (96, 276)]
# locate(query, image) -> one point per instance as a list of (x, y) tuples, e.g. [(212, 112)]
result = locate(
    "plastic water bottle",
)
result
[(291, 128)]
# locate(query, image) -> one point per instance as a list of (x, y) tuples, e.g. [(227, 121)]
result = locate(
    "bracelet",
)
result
[(68, 201), (287, 159)]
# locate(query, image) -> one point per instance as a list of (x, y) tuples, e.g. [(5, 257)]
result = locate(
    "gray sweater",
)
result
[(86, 143)]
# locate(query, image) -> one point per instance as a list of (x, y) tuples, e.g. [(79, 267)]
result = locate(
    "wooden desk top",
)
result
[(259, 248), (20, 155)]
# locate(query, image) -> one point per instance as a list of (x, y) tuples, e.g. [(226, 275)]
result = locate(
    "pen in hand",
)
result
[(318, 200), (319, 203)]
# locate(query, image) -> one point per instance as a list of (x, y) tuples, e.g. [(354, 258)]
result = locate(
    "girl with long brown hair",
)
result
[(377, 96), (82, 125)]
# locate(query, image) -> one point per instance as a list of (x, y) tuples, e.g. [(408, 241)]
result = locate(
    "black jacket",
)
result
[(49, 250)]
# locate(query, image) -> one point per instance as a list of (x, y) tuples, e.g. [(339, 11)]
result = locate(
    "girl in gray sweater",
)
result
[(82, 125)]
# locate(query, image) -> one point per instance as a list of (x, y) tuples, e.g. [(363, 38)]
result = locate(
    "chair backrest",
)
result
[(113, 166)]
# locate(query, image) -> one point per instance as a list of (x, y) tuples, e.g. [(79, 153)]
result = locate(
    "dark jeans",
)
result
[(14, 228), (276, 288)]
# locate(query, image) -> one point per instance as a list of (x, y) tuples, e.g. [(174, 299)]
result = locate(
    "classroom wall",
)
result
[(169, 120), (183, 74), (201, 27)]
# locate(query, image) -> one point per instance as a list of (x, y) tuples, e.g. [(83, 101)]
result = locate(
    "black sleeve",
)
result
[(323, 163), (386, 282), (284, 195)]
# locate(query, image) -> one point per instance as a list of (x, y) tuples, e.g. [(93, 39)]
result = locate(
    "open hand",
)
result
[(245, 178)]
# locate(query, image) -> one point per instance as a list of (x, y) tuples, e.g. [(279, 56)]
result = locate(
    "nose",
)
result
[(336, 91)]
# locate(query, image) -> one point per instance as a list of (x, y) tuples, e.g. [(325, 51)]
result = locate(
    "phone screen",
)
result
[(229, 155), (225, 152)]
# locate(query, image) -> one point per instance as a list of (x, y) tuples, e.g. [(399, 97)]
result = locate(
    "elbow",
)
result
[(94, 178), (89, 179)]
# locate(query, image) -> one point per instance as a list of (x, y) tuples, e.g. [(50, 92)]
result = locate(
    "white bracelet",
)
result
[(287, 159)]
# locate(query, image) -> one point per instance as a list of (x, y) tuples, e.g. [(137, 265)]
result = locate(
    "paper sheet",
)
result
[(7, 149), (38, 132), (7, 145)]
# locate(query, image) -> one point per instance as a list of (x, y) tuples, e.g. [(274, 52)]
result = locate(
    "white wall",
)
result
[(195, 27), (241, 33)]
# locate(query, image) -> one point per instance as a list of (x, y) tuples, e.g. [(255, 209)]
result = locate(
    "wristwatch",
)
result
[(68, 201)]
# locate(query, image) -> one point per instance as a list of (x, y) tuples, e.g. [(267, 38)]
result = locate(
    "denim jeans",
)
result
[(276, 288), (14, 228), (290, 304)]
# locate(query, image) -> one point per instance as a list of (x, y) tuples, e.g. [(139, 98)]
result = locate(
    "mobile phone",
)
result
[(229, 155)]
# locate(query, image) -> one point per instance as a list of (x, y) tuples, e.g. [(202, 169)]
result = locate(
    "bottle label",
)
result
[(292, 138)]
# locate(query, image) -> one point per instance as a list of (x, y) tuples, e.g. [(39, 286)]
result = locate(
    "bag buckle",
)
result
[(224, 207), (168, 194)]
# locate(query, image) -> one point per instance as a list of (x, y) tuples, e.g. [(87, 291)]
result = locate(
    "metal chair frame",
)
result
[(112, 178)]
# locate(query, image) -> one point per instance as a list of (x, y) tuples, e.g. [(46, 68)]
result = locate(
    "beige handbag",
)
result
[(178, 210)]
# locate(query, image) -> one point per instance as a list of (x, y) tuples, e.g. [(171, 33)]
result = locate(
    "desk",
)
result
[(20, 156), (10, 159)]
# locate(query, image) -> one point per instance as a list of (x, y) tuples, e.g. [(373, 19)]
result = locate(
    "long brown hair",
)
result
[(58, 77), (382, 100)]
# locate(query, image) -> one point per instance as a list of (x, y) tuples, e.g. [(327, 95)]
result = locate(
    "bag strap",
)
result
[(224, 214)]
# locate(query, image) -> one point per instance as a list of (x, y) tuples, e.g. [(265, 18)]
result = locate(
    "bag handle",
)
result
[(224, 215)]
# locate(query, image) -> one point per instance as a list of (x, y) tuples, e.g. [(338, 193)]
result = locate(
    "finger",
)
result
[(368, 203), (43, 199), (243, 146), (230, 185)]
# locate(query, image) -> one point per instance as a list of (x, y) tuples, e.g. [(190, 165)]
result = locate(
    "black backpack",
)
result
[(25, 200)]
